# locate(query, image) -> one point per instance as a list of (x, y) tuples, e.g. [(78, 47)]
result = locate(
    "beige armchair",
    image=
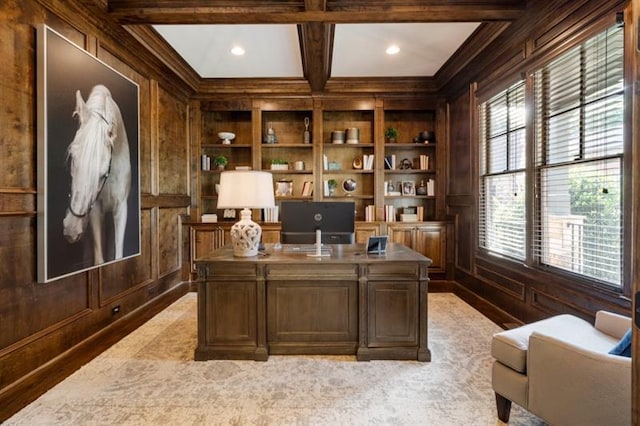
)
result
[(560, 370)]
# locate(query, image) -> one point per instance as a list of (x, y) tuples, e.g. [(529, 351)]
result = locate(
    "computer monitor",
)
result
[(301, 219)]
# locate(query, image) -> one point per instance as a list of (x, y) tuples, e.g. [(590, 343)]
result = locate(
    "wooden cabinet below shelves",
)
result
[(426, 238), (364, 230)]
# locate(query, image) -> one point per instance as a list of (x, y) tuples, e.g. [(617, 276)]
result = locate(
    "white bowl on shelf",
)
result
[(226, 137)]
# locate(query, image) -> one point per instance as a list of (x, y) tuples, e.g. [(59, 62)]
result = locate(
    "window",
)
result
[(579, 106), (502, 169), (576, 174)]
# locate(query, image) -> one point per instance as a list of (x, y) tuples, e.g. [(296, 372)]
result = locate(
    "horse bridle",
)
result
[(103, 177)]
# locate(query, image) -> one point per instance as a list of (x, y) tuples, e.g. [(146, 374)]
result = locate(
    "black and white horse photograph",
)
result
[(88, 177)]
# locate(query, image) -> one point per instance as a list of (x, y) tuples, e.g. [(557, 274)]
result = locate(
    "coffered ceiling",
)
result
[(314, 40)]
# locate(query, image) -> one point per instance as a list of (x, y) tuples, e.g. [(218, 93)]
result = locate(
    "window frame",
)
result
[(541, 163), (486, 172), (559, 276)]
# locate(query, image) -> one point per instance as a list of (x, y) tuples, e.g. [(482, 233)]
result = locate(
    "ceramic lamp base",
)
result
[(245, 235)]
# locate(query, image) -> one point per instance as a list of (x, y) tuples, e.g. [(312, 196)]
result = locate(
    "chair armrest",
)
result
[(573, 385), (612, 324)]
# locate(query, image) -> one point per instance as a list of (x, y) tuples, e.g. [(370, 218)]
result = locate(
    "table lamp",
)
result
[(245, 189)]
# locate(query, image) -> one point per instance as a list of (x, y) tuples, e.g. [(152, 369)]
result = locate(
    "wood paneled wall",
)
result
[(49, 330), (519, 293)]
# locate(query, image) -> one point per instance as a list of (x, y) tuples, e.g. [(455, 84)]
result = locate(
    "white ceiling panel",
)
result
[(359, 49), (271, 51)]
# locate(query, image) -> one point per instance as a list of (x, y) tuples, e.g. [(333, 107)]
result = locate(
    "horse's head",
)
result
[(89, 157)]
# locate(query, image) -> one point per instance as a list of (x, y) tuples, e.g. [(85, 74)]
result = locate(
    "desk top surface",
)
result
[(336, 253)]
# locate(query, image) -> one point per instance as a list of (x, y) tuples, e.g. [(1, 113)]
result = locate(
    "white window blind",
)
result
[(502, 210), (579, 109)]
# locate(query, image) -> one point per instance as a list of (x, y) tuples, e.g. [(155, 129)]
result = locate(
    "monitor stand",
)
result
[(318, 252)]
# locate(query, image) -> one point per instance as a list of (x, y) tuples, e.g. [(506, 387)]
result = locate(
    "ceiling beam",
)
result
[(307, 11), (316, 45)]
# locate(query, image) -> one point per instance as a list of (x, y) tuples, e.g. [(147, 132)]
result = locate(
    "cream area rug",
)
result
[(150, 378)]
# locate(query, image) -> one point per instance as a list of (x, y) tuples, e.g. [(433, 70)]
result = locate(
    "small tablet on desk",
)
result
[(377, 245)]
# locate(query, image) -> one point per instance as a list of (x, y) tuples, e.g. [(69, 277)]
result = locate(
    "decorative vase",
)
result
[(422, 189)]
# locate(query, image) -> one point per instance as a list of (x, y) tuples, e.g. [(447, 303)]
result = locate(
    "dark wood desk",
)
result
[(373, 306)]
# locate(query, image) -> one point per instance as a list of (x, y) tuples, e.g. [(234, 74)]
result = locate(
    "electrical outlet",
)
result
[(115, 310)]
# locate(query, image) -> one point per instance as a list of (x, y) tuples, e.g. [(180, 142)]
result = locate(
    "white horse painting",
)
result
[(100, 170)]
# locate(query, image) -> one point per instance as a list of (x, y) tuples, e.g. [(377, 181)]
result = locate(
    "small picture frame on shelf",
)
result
[(377, 244), (284, 188), (408, 187)]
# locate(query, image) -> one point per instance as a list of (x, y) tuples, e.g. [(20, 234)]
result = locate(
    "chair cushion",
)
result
[(510, 346), (623, 347)]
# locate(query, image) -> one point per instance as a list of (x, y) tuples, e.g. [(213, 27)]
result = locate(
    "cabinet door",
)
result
[(393, 314), (207, 240), (366, 230), (270, 236), (230, 318), (401, 233), (430, 240)]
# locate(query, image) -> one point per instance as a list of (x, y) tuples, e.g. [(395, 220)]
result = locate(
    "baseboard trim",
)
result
[(26, 390), (486, 308), (441, 286)]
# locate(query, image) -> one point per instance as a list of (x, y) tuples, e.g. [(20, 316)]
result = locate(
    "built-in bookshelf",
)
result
[(298, 141)]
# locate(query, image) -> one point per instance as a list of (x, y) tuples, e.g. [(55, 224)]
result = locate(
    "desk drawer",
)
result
[(393, 271), (319, 272), (232, 270)]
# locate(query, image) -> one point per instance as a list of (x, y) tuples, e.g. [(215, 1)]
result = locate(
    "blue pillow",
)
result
[(623, 347)]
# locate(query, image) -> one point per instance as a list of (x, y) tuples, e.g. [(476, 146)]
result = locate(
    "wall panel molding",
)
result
[(503, 283), (551, 304), (18, 202), (28, 387)]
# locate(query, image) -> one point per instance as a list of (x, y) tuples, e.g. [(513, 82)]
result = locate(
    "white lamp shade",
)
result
[(241, 189)]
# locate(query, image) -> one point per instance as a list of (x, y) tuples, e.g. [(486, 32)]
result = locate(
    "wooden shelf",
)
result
[(289, 172), (349, 145), (402, 197), (408, 171), (286, 145), (349, 197), (231, 146), (293, 197), (348, 172), (411, 145)]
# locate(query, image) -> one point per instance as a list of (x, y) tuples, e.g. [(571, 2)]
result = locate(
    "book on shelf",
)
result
[(420, 213), (307, 188), (424, 162), (431, 187), (367, 162), (209, 218), (270, 214), (389, 213), (370, 213), (205, 162), (390, 162)]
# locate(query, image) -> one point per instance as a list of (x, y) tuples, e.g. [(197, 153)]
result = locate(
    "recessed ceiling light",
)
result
[(393, 49), (237, 50)]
